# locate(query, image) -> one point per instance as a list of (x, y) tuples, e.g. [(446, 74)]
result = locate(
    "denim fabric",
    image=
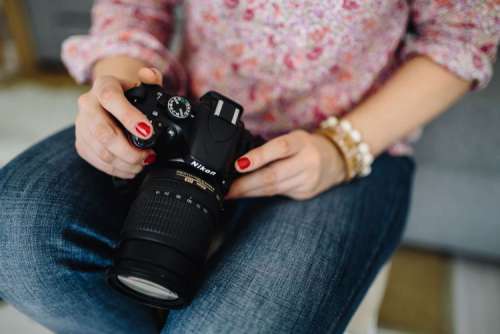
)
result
[(286, 267)]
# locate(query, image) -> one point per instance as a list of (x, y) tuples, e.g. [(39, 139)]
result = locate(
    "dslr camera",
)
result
[(178, 201)]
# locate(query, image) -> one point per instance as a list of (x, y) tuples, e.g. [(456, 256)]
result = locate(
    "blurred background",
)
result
[(446, 276)]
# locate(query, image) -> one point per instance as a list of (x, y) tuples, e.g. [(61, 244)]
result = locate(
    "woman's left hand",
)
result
[(298, 165)]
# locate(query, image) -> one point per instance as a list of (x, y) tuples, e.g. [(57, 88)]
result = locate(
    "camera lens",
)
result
[(147, 287), (165, 238)]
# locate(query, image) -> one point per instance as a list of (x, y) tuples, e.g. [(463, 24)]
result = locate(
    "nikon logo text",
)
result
[(202, 168)]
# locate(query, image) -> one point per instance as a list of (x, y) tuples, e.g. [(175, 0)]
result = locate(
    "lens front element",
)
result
[(147, 288)]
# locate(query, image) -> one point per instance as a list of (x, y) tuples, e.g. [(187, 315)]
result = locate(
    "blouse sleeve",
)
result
[(461, 35), (138, 28)]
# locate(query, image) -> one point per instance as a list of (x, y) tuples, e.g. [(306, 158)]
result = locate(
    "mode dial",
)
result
[(179, 107)]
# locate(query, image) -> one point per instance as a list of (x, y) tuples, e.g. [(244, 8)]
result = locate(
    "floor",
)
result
[(428, 292), (476, 290), (31, 111), (14, 322)]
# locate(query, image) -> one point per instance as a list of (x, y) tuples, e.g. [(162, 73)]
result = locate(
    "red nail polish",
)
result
[(143, 128), (150, 159), (243, 163)]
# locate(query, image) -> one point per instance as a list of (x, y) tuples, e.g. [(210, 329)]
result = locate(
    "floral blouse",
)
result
[(291, 63)]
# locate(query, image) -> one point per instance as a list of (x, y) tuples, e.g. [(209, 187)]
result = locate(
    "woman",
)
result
[(299, 262)]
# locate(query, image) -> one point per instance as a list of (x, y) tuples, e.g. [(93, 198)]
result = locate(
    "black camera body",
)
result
[(172, 220)]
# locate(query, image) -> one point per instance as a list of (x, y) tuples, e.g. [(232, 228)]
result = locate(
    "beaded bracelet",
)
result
[(355, 153)]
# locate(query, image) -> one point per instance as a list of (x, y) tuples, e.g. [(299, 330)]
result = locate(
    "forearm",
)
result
[(122, 67), (418, 92)]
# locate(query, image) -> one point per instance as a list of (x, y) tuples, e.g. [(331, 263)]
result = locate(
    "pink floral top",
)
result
[(291, 63)]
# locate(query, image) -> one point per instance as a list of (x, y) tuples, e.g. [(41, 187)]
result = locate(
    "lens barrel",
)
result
[(165, 239)]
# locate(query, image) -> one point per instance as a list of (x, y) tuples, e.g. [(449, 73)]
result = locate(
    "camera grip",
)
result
[(249, 142)]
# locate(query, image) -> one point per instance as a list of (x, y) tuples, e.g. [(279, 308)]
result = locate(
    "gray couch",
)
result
[(456, 201)]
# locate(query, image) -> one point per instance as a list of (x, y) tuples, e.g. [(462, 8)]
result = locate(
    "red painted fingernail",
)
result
[(143, 128), (243, 163), (150, 159)]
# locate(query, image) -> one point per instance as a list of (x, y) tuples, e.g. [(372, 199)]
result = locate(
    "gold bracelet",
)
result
[(348, 141), (349, 168)]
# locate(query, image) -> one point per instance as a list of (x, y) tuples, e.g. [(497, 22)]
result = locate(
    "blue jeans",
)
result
[(287, 266)]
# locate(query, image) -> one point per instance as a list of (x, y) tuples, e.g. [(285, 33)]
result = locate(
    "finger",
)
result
[(282, 188), (108, 157), (104, 130), (95, 146), (151, 75), (270, 176), (125, 166), (123, 149), (88, 155), (275, 149), (109, 93)]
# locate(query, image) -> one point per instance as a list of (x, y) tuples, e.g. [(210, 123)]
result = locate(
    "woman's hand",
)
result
[(298, 165), (99, 139)]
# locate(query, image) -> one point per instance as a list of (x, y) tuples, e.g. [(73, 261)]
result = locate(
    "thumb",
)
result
[(150, 75)]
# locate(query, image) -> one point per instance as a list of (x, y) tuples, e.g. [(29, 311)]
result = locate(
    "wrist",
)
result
[(363, 122), (122, 67), (349, 142), (336, 169)]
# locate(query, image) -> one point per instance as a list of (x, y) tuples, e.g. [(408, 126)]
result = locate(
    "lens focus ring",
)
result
[(171, 217)]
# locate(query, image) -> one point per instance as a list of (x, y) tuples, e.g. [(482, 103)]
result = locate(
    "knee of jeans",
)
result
[(328, 213), (29, 231)]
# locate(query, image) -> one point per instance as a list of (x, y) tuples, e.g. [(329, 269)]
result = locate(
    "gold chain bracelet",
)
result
[(348, 141)]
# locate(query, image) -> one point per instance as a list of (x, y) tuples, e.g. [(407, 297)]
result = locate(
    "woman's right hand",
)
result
[(100, 140)]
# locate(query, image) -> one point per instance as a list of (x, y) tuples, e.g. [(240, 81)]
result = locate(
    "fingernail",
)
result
[(150, 159), (143, 128), (243, 163)]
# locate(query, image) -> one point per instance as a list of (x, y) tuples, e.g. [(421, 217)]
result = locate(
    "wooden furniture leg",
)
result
[(15, 15)]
